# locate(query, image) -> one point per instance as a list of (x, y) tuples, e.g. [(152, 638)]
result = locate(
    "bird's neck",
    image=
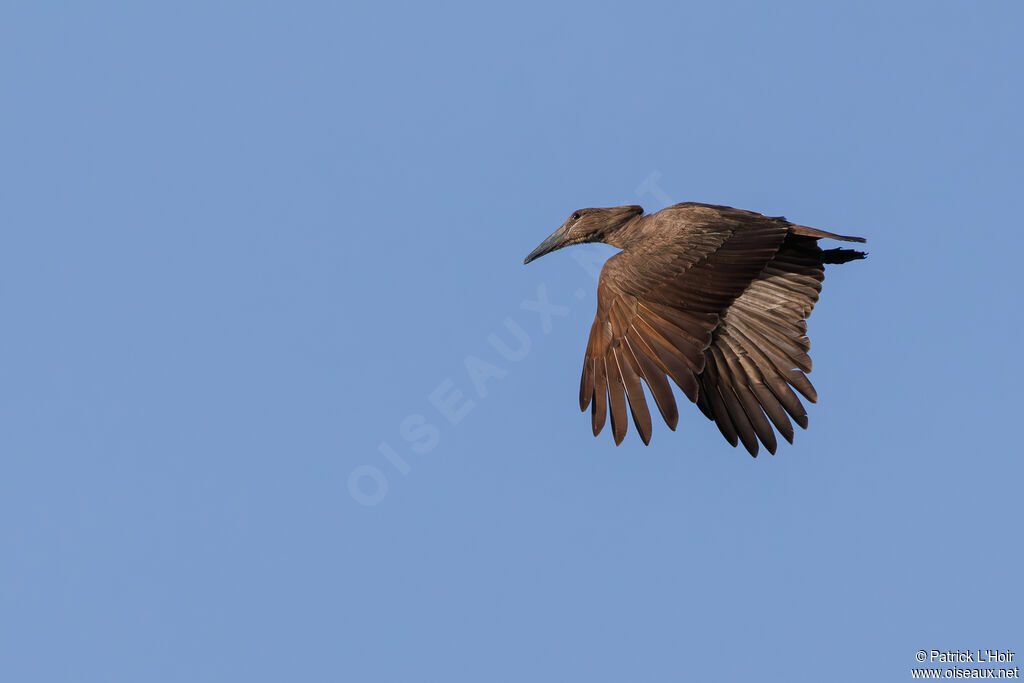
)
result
[(626, 234)]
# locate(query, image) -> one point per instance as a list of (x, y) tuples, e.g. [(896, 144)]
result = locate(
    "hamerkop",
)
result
[(711, 296)]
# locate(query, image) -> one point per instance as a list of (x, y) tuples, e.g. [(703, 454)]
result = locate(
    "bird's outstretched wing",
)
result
[(759, 351), (659, 306)]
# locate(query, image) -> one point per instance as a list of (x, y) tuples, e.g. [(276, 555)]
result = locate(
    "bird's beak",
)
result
[(555, 241)]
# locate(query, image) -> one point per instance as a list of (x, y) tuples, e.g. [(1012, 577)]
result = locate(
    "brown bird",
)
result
[(711, 296)]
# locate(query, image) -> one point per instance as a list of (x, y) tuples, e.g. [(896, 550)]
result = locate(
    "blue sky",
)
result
[(244, 244)]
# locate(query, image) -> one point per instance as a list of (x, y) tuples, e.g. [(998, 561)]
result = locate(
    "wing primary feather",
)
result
[(740, 381), (739, 417), (802, 384), (776, 378), (758, 369), (657, 382), (775, 341), (721, 415), (773, 409), (668, 357), (616, 398), (599, 407), (672, 343), (629, 370), (677, 324), (587, 377)]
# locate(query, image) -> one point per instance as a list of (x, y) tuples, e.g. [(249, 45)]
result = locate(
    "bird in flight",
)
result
[(714, 298)]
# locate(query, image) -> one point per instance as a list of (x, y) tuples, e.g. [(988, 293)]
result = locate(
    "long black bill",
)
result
[(555, 241)]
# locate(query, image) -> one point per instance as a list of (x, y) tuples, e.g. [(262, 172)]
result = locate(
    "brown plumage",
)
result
[(712, 297)]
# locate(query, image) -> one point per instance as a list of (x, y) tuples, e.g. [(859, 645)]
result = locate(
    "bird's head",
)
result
[(587, 225)]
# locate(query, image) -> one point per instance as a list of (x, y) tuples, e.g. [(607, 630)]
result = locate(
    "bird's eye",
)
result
[(576, 216)]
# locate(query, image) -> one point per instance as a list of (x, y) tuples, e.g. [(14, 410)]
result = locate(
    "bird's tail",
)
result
[(821, 234), (841, 255)]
